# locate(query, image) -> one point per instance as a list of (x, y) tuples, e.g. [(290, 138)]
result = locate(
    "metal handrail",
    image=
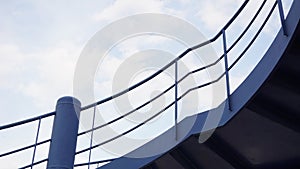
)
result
[(175, 61), (170, 63), (27, 121), (24, 148), (194, 71), (34, 146), (182, 78), (35, 163)]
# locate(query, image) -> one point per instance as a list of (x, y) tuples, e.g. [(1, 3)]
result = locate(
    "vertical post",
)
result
[(92, 134), (226, 69), (281, 14), (64, 134), (176, 98), (36, 140)]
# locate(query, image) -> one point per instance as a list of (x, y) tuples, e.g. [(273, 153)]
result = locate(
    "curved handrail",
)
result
[(24, 148), (170, 63), (27, 121), (188, 91), (184, 94), (34, 146), (39, 118), (189, 73)]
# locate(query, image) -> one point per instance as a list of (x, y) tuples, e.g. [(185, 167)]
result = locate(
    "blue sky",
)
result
[(42, 40)]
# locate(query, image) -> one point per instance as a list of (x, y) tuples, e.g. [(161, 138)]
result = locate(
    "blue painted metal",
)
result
[(93, 162), (242, 94), (64, 134), (34, 146), (226, 69), (36, 140), (176, 99), (65, 128), (35, 163), (282, 20), (169, 64), (26, 121)]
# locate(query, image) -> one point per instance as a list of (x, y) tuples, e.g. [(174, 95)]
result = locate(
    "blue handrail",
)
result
[(171, 63), (222, 33), (34, 146)]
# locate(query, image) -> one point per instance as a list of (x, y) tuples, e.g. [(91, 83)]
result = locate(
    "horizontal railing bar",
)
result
[(229, 49), (139, 83), (235, 16), (199, 69), (248, 26), (24, 148), (203, 85), (128, 131), (228, 23), (36, 163), (169, 64), (255, 36), (165, 91), (194, 71), (130, 112), (26, 121)]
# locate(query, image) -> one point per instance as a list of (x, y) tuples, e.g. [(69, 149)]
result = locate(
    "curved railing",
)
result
[(34, 146), (220, 34)]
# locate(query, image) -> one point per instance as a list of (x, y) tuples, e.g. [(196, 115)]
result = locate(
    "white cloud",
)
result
[(11, 64), (39, 66), (52, 75), (215, 13), (125, 8)]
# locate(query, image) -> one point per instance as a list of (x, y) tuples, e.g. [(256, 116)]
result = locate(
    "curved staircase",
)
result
[(265, 134), (259, 129)]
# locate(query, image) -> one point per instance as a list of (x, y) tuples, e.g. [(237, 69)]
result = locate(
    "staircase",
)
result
[(259, 128), (265, 134)]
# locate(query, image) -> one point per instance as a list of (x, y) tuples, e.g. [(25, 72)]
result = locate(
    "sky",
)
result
[(41, 42)]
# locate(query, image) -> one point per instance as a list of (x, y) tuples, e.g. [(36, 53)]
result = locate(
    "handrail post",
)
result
[(36, 141), (176, 98), (92, 135), (64, 134), (226, 70), (281, 14)]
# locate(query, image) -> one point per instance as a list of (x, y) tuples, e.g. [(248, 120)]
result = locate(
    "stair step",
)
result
[(184, 160), (257, 142), (288, 81), (279, 104), (202, 156), (280, 99), (288, 74), (291, 65), (167, 162)]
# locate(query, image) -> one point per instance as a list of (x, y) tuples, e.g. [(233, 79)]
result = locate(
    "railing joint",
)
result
[(226, 70), (282, 20)]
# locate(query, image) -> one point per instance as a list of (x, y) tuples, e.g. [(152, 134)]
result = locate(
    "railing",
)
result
[(175, 85), (220, 34), (34, 146)]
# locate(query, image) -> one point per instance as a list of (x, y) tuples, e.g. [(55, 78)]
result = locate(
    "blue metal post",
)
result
[(176, 98), (226, 70), (281, 14), (64, 134), (36, 140)]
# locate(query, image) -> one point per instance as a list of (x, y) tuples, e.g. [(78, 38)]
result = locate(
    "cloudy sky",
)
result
[(42, 40)]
